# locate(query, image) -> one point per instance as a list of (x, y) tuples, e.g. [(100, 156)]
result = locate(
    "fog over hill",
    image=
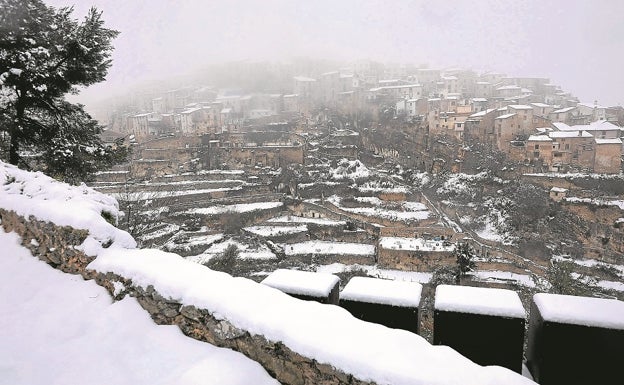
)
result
[(576, 44)]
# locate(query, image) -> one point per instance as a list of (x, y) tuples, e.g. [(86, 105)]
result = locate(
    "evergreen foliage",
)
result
[(225, 261), (464, 256), (45, 54)]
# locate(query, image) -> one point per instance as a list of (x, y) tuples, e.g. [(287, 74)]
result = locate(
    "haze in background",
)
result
[(577, 44)]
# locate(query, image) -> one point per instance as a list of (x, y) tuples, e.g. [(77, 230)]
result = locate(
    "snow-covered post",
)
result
[(390, 303), (484, 324), (575, 340), (305, 285)]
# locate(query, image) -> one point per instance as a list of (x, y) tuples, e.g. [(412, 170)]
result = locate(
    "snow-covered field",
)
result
[(271, 231), (504, 277), (374, 271), (56, 328), (414, 244), (245, 251), (328, 248), (237, 208), (316, 221), (410, 210)]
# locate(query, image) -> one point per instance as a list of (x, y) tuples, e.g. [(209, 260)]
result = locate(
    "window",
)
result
[(537, 146), (567, 146)]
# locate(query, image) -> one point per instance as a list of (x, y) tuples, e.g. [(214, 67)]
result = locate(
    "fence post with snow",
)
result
[(484, 324), (390, 303), (576, 340), (305, 285)]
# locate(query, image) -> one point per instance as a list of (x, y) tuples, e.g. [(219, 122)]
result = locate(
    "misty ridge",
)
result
[(575, 45)]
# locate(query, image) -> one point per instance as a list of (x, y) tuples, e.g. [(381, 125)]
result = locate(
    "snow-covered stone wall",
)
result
[(58, 246), (299, 342)]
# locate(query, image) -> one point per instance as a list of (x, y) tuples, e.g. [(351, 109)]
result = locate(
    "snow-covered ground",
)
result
[(237, 208), (316, 221), (414, 244), (56, 328), (374, 271), (271, 231), (245, 251), (599, 202), (410, 210), (328, 248), (505, 277)]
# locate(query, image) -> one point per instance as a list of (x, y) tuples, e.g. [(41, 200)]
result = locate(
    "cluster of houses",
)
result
[(530, 119)]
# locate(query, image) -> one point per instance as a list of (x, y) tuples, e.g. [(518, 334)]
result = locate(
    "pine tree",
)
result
[(45, 55), (464, 256)]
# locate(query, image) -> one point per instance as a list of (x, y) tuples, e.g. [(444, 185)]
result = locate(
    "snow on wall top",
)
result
[(586, 311), (414, 244), (479, 300), (302, 282), (326, 333), (81, 207), (382, 291)]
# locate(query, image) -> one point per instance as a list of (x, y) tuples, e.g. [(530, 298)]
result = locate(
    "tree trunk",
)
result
[(14, 148), (15, 133)]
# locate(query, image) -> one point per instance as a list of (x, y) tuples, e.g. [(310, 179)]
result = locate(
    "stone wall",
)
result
[(56, 246)]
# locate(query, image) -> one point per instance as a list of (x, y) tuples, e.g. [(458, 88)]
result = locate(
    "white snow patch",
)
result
[(301, 282), (81, 207), (414, 244), (504, 277), (237, 208), (316, 221), (382, 291), (479, 300), (271, 231), (586, 311), (327, 247)]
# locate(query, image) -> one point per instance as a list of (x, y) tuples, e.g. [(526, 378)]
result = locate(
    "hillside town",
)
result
[(530, 120)]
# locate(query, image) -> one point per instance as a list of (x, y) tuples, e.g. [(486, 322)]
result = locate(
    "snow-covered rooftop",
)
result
[(382, 291), (479, 300), (302, 282), (505, 116), (599, 125), (563, 110), (570, 134), (520, 107), (539, 138), (586, 311), (609, 141), (482, 113), (509, 87)]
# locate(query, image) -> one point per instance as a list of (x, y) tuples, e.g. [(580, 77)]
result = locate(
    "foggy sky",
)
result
[(576, 43)]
